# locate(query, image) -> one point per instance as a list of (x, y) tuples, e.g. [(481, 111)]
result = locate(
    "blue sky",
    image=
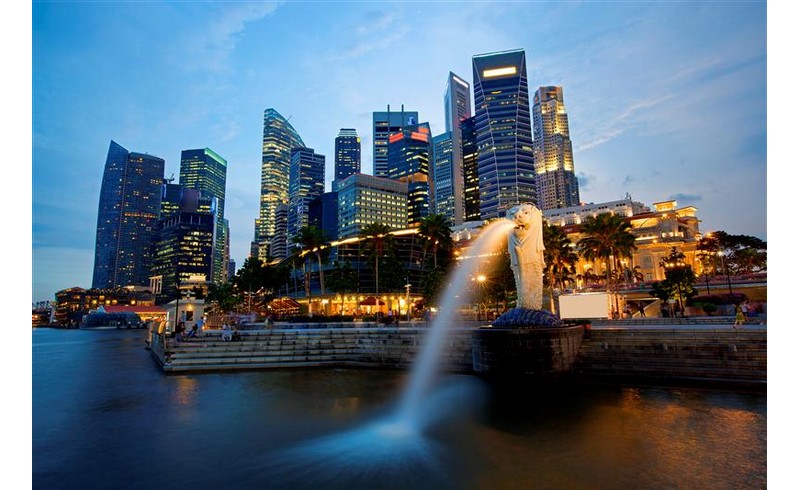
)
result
[(666, 100)]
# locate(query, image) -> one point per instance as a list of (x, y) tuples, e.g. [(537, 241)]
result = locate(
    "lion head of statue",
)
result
[(523, 215)]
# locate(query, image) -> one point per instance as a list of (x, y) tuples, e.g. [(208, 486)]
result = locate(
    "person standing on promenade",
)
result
[(739, 317)]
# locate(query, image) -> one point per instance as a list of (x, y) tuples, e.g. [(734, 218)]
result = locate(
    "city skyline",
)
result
[(689, 123)]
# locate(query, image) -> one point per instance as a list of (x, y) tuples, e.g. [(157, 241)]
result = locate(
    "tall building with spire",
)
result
[(127, 217), (457, 107), (383, 125), (556, 184), (347, 160), (276, 154), (205, 170), (503, 132)]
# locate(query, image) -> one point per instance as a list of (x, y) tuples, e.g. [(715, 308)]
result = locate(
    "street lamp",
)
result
[(408, 303), (725, 268)]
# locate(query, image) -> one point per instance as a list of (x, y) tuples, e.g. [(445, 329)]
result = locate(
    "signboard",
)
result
[(584, 305)]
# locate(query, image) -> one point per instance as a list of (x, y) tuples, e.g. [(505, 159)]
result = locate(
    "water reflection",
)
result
[(105, 417), (389, 451)]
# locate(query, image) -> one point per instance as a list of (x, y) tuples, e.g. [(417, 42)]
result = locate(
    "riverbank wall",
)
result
[(664, 353)]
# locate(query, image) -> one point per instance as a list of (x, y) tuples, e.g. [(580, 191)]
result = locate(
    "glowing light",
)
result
[(461, 82), (500, 72)]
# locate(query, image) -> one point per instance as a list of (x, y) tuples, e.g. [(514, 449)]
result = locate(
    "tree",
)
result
[(606, 237), (258, 279), (559, 259), (743, 254), (224, 296), (311, 239), (379, 243), (679, 279), (343, 279), (438, 237)]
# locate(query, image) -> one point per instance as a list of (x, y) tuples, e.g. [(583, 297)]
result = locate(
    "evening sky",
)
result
[(666, 100)]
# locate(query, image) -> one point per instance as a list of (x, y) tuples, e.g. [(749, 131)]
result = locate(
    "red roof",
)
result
[(132, 309)]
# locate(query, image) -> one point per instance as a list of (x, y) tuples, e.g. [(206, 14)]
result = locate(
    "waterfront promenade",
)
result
[(700, 349)]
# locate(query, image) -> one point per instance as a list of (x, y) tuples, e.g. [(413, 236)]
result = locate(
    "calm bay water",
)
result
[(104, 416)]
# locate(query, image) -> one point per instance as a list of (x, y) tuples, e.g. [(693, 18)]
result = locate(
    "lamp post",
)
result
[(408, 304), (725, 269), (481, 280)]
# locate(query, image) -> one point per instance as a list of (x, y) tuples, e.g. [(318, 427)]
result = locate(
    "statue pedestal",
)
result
[(540, 351)]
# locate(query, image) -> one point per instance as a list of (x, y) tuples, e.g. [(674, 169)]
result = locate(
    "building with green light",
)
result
[(205, 170)]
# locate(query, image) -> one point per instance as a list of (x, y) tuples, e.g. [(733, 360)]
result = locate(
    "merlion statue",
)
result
[(526, 248)]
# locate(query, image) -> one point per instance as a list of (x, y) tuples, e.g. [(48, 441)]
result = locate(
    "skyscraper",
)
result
[(128, 212), (444, 181), (409, 161), (184, 245), (205, 170), (306, 181), (278, 140), (556, 184), (384, 124), (348, 154), (323, 212), (365, 199), (457, 107), (469, 150), (503, 132)]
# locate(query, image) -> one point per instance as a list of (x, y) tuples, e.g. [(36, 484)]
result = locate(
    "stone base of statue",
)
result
[(526, 342), (526, 317)]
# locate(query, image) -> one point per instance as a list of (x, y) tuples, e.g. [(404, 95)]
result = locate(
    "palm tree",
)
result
[(559, 258), (311, 240), (378, 242), (606, 237), (437, 233)]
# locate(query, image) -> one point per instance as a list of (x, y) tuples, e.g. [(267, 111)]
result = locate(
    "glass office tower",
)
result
[(205, 170), (127, 217), (457, 107), (348, 154), (277, 143), (409, 161), (306, 181), (503, 132), (384, 124)]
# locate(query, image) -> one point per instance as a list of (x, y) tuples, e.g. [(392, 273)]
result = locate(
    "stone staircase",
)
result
[(709, 354), (692, 320), (379, 347)]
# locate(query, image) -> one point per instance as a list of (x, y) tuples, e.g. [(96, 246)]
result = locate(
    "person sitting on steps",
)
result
[(227, 335)]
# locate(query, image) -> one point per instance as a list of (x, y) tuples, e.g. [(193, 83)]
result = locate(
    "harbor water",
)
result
[(105, 416)]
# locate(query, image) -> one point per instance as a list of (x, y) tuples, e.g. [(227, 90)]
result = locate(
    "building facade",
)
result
[(410, 162), (365, 199), (503, 132), (348, 154), (184, 245), (323, 212), (205, 170), (469, 152), (556, 184), (127, 217), (278, 140), (279, 243), (306, 182), (656, 231), (457, 107), (383, 125), (73, 303), (444, 181)]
